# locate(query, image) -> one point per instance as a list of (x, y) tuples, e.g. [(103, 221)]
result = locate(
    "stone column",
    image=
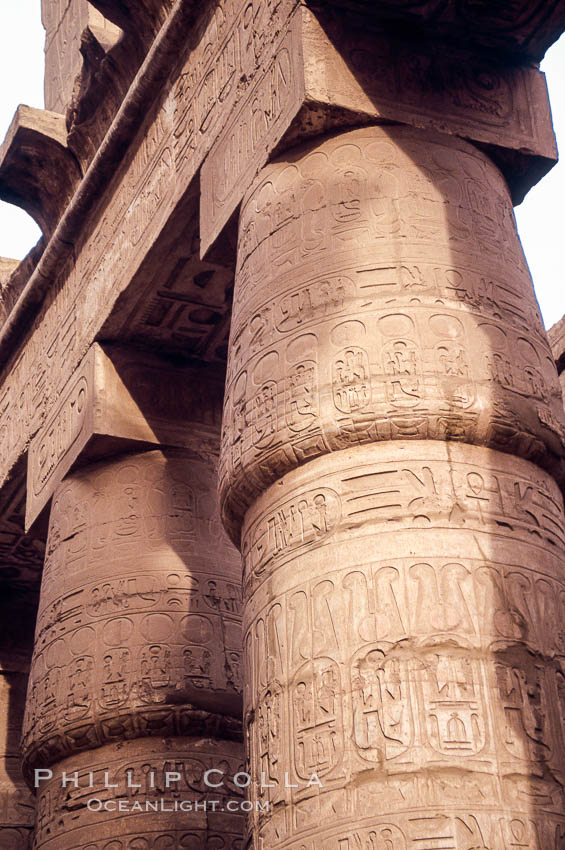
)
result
[(17, 806), (136, 666), (393, 430)]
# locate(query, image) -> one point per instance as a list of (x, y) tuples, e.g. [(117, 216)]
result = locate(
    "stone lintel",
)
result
[(37, 170), (556, 337), (121, 400), (329, 72)]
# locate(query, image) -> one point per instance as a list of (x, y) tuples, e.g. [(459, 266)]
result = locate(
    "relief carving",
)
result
[(410, 324), (401, 531), (138, 636)]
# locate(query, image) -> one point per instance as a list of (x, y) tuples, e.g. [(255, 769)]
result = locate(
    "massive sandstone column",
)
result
[(136, 667), (392, 427)]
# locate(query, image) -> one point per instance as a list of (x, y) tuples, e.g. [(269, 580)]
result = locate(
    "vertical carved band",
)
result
[(404, 642)]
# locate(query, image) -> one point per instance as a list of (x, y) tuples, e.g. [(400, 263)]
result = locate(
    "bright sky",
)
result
[(541, 221)]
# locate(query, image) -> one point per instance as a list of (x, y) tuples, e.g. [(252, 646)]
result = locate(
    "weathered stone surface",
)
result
[(120, 400), (7, 267), (14, 275), (177, 302), (65, 23), (403, 639), (37, 170), (21, 554), (138, 633), (148, 189), (382, 294), (403, 581), (64, 823), (329, 71), (393, 436), (228, 55), (141, 16), (556, 337), (525, 28)]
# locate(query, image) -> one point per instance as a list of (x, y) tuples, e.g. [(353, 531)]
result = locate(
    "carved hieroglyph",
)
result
[(389, 386), (233, 101), (137, 771), (404, 641), (138, 637), (382, 293)]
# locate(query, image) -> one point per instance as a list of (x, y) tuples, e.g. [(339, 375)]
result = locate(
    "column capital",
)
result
[(119, 400), (329, 70)]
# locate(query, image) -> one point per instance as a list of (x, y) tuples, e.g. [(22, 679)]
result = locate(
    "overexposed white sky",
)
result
[(541, 221)]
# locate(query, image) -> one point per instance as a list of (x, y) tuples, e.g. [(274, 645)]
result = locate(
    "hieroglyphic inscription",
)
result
[(414, 321), (226, 54), (343, 69), (403, 587), (411, 639), (245, 145), (233, 58), (369, 488), (130, 774), (375, 72), (137, 620)]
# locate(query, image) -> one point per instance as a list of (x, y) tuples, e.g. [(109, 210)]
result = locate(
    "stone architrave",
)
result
[(225, 81), (556, 337), (324, 74), (118, 401), (393, 423), (65, 22), (38, 172)]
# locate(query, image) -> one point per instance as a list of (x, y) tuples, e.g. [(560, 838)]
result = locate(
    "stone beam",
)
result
[(331, 71), (37, 170), (114, 403), (7, 266), (233, 59), (66, 25), (556, 336)]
